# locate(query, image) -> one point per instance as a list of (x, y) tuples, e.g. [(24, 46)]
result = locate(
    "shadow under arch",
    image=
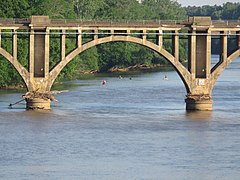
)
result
[(181, 70)]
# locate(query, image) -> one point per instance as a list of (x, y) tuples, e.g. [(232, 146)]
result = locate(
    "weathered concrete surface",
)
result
[(38, 101), (198, 102), (38, 104), (199, 78)]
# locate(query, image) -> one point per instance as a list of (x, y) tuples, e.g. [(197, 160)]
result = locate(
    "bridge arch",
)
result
[(181, 70), (199, 78)]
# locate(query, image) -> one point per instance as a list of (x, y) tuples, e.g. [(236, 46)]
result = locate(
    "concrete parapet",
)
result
[(200, 20), (40, 20)]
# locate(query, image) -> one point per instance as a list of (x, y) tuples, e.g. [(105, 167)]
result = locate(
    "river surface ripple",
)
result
[(128, 129)]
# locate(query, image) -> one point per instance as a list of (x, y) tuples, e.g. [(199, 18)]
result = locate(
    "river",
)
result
[(127, 129)]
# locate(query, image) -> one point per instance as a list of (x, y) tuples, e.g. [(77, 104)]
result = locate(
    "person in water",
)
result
[(165, 77), (104, 82)]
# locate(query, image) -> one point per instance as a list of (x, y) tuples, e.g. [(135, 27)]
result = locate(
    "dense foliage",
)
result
[(105, 56), (228, 11)]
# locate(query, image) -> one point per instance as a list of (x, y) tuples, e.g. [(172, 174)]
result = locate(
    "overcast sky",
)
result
[(204, 2)]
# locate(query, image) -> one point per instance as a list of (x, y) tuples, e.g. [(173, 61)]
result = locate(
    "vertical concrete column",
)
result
[(112, 33), (63, 44), (175, 45), (95, 37), (47, 53), (192, 53), (31, 55), (14, 44), (79, 38), (223, 46), (144, 36), (160, 38), (208, 54), (128, 33)]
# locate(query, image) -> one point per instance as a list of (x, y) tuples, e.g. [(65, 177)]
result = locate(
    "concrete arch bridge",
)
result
[(198, 77)]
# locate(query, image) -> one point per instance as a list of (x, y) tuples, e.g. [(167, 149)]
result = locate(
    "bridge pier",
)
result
[(199, 65), (198, 103), (38, 97), (38, 104), (38, 101)]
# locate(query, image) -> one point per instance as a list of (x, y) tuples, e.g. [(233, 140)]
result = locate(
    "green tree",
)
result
[(231, 11), (86, 9), (90, 59), (15, 9), (227, 11), (121, 10), (165, 9), (55, 9)]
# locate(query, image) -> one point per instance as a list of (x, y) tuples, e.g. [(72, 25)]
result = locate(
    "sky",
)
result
[(203, 2)]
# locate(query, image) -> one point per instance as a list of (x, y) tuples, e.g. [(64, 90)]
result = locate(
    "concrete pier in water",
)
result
[(198, 77)]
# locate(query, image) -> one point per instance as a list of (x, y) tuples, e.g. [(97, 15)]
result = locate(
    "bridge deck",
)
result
[(24, 23)]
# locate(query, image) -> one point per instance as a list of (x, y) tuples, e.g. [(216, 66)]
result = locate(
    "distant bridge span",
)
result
[(199, 77)]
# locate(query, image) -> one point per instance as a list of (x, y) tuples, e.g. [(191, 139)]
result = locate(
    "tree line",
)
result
[(105, 56), (227, 11)]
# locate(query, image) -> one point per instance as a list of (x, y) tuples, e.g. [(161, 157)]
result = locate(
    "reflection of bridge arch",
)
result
[(182, 71)]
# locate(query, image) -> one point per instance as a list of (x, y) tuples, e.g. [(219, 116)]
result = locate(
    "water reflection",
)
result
[(199, 115)]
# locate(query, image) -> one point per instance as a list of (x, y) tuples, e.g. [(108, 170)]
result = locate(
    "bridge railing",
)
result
[(92, 22), (81, 22), (226, 22), (14, 20), (114, 23)]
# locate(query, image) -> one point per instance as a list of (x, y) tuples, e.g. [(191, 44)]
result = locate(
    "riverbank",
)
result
[(137, 67), (12, 87), (86, 75)]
